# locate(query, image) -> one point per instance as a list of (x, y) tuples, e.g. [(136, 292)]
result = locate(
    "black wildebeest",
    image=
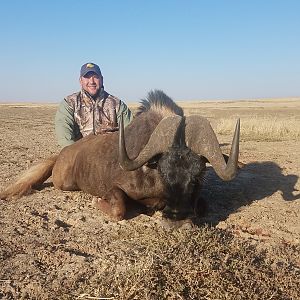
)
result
[(158, 160)]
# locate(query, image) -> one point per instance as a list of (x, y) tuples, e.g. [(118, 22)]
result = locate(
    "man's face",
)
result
[(91, 82)]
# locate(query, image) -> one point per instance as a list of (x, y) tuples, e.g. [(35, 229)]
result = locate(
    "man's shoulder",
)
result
[(72, 96), (71, 99)]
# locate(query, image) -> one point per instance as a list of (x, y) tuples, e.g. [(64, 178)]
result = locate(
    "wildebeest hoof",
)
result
[(114, 212), (96, 201)]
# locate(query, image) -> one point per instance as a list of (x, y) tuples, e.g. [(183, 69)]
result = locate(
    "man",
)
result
[(90, 111)]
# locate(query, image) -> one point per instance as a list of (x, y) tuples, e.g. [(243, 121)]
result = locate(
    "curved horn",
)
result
[(202, 140), (160, 140)]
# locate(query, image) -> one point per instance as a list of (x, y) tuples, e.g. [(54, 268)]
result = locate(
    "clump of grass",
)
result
[(262, 128)]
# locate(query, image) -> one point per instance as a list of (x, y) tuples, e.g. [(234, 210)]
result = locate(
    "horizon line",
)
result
[(28, 102)]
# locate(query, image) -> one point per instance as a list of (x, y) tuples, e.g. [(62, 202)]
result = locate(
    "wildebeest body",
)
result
[(159, 161)]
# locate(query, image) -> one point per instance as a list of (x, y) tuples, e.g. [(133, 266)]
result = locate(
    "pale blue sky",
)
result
[(192, 50)]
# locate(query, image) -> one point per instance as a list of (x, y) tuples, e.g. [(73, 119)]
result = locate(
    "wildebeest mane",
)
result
[(158, 101)]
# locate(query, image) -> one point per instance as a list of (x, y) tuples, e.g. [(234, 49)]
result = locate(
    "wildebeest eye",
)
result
[(153, 162), (152, 165)]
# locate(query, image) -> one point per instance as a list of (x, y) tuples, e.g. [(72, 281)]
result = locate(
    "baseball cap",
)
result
[(90, 67)]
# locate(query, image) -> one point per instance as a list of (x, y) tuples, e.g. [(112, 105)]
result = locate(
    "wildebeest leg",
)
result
[(200, 207), (199, 204), (113, 204), (154, 203), (63, 179), (65, 185)]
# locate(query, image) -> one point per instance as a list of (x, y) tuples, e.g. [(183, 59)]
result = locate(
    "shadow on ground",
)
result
[(255, 181)]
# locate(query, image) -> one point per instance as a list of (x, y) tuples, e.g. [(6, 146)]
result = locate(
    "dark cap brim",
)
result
[(89, 71)]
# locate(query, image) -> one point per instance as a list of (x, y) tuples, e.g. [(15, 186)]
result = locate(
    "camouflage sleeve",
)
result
[(127, 114), (65, 125)]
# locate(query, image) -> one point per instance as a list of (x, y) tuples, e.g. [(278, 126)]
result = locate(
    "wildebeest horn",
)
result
[(160, 140), (201, 138)]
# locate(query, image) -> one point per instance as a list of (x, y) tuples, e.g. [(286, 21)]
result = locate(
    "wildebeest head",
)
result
[(182, 146), (182, 172)]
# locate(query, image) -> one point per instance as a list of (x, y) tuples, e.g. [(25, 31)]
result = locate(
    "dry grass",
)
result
[(149, 263), (200, 264), (268, 120), (262, 128)]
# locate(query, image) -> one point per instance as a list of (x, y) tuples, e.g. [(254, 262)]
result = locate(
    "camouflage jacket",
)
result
[(79, 115)]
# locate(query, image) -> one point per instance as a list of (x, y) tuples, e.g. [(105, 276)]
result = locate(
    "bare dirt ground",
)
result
[(56, 245)]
